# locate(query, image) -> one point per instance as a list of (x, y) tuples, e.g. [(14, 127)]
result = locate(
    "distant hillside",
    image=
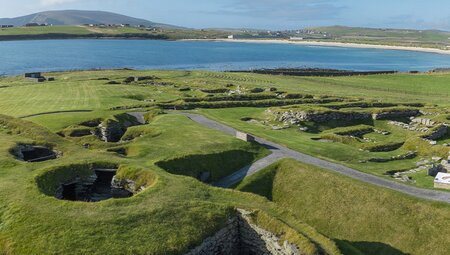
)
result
[(364, 31), (399, 37), (74, 17)]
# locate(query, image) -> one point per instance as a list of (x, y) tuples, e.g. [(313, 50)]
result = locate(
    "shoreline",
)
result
[(44, 37), (330, 44)]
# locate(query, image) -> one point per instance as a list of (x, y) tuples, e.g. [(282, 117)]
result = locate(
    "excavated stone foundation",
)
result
[(241, 237), (33, 153), (97, 187)]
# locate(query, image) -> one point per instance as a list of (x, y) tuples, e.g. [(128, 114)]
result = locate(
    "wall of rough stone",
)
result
[(226, 241), (241, 237), (437, 133), (394, 114), (295, 117)]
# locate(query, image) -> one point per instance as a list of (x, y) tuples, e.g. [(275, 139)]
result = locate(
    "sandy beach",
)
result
[(331, 44)]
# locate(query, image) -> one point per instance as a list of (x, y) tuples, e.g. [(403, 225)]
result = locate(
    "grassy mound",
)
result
[(372, 219)]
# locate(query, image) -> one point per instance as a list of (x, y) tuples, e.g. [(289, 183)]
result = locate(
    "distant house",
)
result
[(442, 181), (6, 26), (33, 75), (37, 77), (296, 38), (231, 37), (245, 137), (32, 25)]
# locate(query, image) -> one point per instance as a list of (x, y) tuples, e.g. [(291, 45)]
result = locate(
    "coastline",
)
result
[(40, 37), (330, 44)]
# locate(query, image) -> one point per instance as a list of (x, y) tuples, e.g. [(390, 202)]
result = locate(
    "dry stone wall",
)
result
[(294, 117), (394, 114), (437, 133), (241, 237)]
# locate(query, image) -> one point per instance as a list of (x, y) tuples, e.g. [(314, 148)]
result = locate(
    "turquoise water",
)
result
[(18, 57)]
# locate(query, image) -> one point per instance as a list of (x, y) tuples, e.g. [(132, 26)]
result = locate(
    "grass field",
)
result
[(392, 37), (176, 212), (64, 32), (173, 214), (415, 38)]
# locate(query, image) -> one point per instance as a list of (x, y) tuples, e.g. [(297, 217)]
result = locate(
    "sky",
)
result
[(264, 14)]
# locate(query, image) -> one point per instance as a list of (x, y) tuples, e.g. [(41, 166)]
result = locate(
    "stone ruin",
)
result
[(432, 168), (242, 237), (394, 114), (101, 185), (295, 117), (109, 131), (435, 130), (34, 153)]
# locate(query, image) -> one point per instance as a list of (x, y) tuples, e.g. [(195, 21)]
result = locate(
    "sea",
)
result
[(18, 57)]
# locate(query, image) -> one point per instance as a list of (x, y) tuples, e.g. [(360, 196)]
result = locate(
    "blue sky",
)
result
[(270, 14)]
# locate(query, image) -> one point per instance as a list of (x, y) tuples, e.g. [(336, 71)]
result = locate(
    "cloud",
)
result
[(56, 2), (290, 10)]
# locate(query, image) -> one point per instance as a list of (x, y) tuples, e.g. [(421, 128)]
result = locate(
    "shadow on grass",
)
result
[(209, 167), (367, 248)]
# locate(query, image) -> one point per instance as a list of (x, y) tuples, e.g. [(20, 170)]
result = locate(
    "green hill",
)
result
[(77, 17), (372, 219)]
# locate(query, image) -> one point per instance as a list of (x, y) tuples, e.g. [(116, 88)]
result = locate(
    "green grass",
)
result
[(372, 219), (170, 216), (70, 32), (396, 37), (177, 212), (77, 30)]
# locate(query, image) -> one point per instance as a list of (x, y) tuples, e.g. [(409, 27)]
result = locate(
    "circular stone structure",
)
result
[(89, 182), (92, 188), (33, 153)]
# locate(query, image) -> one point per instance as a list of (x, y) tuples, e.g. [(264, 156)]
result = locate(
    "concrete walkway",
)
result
[(279, 152)]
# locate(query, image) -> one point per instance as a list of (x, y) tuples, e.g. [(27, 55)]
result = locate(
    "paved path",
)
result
[(279, 152)]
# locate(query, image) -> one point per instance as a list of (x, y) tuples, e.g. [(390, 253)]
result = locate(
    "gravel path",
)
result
[(279, 152)]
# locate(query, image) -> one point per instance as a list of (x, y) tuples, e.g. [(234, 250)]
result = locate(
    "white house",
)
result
[(442, 181), (231, 37)]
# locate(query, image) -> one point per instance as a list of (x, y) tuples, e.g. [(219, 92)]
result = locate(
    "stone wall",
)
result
[(110, 131), (294, 117), (241, 237), (386, 115), (126, 184), (437, 133)]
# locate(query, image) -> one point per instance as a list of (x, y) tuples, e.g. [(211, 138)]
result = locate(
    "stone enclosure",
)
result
[(242, 237), (99, 186), (33, 153)]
